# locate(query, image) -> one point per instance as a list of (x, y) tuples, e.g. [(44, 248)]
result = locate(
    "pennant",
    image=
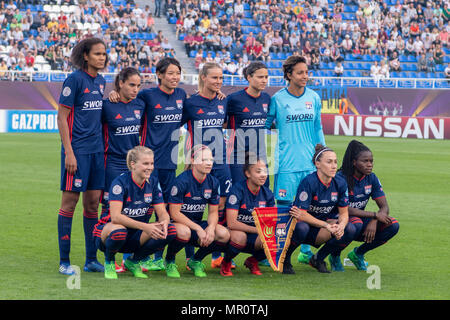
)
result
[(275, 227)]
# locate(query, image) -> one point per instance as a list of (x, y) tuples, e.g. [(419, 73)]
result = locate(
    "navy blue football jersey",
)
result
[(245, 201), (363, 189), (121, 126), (83, 94), (136, 199), (205, 119), (320, 200), (194, 195), (246, 118), (161, 124)]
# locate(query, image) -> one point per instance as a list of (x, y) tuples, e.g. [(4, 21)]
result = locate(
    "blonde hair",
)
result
[(134, 154), (192, 154), (204, 71)]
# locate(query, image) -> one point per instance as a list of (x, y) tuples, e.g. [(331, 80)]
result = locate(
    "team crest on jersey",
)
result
[(262, 204), (77, 183), (368, 189), (282, 193), (207, 193), (179, 104), (334, 196), (265, 107), (308, 105), (147, 197), (101, 88), (137, 114), (220, 108)]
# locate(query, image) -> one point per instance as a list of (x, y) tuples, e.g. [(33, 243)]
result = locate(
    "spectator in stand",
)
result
[(347, 45), (189, 43), (447, 71), (431, 64), (375, 70), (394, 63), (384, 70), (422, 63), (338, 69)]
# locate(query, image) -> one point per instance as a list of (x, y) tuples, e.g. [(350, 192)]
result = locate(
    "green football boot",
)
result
[(110, 270), (135, 269), (172, 270), (358, 260), (198, 267), (335, 263)]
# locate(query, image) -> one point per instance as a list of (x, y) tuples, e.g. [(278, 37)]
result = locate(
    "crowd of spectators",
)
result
[(323, 31), (320, 30), (27, 36)]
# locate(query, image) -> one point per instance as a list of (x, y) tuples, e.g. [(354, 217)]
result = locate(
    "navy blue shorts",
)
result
[(90, 174), (114, 168), (194, 236), (132, 242), (224, 176), (166, 179), (250, 245)]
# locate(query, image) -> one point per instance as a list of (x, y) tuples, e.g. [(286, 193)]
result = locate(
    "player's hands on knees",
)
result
[(114, 96), (201, 237), (210, 235), (154, 230), (339, 231), (383, 217), (164, 226), (70, 163), (295, 212), (370, 231)]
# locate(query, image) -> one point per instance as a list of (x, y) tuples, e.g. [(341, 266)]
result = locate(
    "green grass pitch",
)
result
[(415, 265)]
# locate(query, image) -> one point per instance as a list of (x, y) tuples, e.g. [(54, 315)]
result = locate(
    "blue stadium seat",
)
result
[(193, 53), (412, 58), (347, 74), (412, 74), (421, 75), (447, 59)]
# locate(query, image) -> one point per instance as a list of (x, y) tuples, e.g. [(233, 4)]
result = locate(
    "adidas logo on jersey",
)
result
[(86, 90), (200, 111), (118, 116), (158, 106)]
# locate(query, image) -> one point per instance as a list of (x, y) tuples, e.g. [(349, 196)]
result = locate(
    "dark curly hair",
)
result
[(84, 47)]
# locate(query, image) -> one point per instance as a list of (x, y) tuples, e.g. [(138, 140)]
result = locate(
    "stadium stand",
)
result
[(354, 32), (409, 38)]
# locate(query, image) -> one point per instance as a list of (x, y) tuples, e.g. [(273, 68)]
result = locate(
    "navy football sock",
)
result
[(260, 255), (232, 250), (64, 233), (90, 219), (334, 244), (294, 245), (381, 237), (174, 247), (189, 250), (202, 252), (113, 243)]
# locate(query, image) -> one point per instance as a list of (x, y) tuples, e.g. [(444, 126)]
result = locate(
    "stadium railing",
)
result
[(235, 80)]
